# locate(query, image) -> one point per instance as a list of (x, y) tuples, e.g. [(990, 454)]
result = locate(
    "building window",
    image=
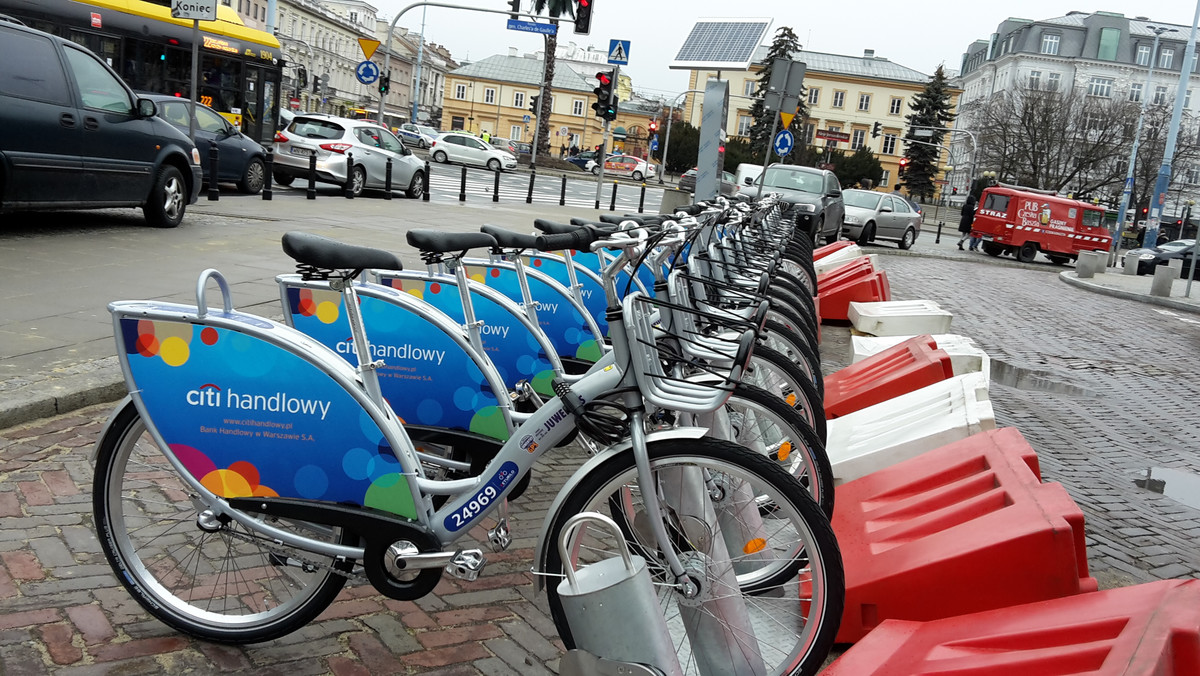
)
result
[(1135, 93), (744, 124), (832, 127), (864, 102), (1160, 95), (1052, 81), (460, 91), (814, 96), (456, 123), (748, 87), (1166, 57), (489, 95), (858, 139), (514, 132), (1100, 86), (1109, 37), (577, 107), (1035, 79), (518, 99), (1143, 55), (839, 99), (896, 105), (810, 130), (885, 179), (889, 145), (1193, 175), (1187, 99), (1050, 44)]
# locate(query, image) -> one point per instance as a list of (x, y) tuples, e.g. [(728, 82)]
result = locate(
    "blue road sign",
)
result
[(654, 143), (618, 52), (526, 119), (367, 72), (532, 27), (784, 142)]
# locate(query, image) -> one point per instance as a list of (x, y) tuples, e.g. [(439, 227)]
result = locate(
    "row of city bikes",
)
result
[(259, 466)]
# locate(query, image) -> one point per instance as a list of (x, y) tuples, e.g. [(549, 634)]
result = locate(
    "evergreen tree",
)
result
[(931, 108), (785, 46)]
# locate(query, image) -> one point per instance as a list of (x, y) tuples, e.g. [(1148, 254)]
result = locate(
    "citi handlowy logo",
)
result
[(405, 352), (210, 394)]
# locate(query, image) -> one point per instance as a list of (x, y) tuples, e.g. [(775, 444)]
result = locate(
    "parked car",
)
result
[(728, 187), (505, 144), (872, 216), (583, 160), (417, 135), (1150, 258), (814, 196), (333, 140), (624, 165), (467, 149), (239, 159), (73, 135), (524, 148)]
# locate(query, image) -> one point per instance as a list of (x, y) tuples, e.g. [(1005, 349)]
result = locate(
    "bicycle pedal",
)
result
[(499, 537), (466, 564)]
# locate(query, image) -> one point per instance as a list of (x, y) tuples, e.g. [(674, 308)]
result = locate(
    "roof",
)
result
[(1137, 26), (874, 67), (520, 70)]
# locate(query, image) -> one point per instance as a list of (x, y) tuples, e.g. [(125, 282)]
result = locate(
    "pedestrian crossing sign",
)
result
[(618, 52)]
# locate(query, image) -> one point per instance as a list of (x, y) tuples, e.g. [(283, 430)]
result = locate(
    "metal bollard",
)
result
[(425, 179), (214, 193), (462, 186), (496, 186), (612, 204), (938, 239), (562, 195), (611, 605), (529, 195), (268, 167), (387, 180), (312, 177), (349, 176), (642, 199)]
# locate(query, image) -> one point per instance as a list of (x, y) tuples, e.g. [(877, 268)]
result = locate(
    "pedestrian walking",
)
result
[(968, 217)]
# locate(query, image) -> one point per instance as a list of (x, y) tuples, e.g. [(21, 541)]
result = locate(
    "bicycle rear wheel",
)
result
[(205, 576), (753, 534)]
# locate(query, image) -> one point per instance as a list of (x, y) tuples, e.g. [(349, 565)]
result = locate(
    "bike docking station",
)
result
[(959, 557)]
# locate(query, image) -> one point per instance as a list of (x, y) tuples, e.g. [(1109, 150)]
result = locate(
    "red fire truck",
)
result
[(1022, 222)]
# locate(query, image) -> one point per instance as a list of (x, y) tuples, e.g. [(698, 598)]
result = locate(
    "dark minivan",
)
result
[(73, 135)]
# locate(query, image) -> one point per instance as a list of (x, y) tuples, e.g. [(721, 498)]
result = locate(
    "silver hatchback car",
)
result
[(872, 216), (333, 140)]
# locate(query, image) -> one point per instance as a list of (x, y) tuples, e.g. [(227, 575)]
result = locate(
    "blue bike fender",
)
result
[(543, 547)]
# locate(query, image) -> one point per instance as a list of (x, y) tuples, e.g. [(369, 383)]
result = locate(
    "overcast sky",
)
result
[(919, 35)]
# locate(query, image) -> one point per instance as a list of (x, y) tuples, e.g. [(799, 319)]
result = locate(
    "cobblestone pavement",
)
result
[(1103, 388)]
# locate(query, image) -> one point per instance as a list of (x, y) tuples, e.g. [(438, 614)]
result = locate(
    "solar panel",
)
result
[(721, 44)]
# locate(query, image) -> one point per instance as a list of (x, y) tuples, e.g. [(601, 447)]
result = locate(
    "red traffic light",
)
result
[(604, 78), (904, 161)]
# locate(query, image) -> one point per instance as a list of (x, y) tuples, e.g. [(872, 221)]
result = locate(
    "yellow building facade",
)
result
[(845, 94)]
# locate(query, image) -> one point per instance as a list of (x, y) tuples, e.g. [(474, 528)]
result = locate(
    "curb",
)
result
[(62, 395), (1071, 278)]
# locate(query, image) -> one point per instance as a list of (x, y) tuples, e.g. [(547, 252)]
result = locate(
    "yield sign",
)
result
[(368, 47), (787, 119)]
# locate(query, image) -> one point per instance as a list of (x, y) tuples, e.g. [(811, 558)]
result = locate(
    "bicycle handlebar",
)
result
[(581, 238)]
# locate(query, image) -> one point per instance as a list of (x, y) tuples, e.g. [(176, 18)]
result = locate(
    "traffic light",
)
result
[(903, 166), (583, 17), (876, 129), (385, 83), (606, 99), (533, 104), (653, 127), (515, 6), (316, 84), (302, 76)]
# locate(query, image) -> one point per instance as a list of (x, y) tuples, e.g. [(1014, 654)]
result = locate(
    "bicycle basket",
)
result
[(668, 372)]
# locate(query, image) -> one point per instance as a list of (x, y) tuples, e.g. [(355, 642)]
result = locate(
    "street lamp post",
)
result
[(1137, 135)]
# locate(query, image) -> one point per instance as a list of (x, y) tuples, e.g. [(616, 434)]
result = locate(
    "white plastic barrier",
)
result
[(904, 427), (899, 317), (838, 258), (965, 355)]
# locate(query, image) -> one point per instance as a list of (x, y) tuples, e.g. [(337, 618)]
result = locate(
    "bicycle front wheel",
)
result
[(208, 577), (759, 550)]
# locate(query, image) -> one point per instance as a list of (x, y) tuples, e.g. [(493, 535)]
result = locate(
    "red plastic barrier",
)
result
[(870, 288), (855, 267), (1149, 629), (904, 368), (961, 529), (823, 251)]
